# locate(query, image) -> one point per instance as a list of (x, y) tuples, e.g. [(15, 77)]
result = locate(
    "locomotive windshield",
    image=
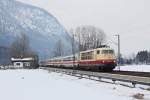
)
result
[(107, 52)]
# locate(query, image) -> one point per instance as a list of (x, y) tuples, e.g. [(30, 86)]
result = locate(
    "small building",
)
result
[(24, 62)]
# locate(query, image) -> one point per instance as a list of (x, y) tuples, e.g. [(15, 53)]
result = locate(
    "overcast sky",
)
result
[(129, 18)]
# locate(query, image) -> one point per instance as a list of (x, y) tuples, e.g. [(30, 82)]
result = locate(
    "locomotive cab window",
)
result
[(111, 52), (107, 51)]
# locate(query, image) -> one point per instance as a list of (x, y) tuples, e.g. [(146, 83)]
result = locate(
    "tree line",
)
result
[(82, 38), (20, 48), (142, 57), (90, 37)]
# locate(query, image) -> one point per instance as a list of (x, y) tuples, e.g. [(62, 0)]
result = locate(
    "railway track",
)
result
[(142, 78), (132, 73)]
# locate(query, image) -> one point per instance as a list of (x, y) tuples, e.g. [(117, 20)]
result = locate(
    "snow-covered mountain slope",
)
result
[(42, 28)]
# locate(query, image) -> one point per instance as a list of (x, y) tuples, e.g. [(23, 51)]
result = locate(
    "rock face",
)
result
[(42, 28)]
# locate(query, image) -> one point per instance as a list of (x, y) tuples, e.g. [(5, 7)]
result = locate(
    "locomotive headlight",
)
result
[(103, 61)]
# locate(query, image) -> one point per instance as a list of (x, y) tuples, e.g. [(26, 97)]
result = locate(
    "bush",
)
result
[(138, 96)]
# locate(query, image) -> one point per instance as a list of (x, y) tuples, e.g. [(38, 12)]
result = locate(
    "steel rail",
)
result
[(114, 77)]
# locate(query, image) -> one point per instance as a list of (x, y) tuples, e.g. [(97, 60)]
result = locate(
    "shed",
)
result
[(24, 62)]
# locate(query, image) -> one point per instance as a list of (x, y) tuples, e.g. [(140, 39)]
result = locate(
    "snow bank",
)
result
[(42, 85), (140, 68)]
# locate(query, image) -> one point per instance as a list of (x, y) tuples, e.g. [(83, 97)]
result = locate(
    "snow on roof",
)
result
[(22, 59)]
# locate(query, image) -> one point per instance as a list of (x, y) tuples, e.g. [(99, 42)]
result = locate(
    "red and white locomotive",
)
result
[(99, 59)]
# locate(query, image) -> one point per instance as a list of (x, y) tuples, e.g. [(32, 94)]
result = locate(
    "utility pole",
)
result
[(73, 47), (79, 45), (118, 36), (73, 51)]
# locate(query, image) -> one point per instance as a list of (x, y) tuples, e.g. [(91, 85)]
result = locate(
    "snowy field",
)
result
[(42, 85), (140, 68)]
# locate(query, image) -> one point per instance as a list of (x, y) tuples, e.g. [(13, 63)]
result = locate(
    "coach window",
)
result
[(98, 52)]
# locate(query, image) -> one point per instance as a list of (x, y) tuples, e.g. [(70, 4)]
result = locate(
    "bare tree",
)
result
[(20, 47), (90, 37), (59, 49), (73, 40)]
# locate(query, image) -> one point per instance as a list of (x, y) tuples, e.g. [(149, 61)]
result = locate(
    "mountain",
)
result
[(41, 27), (4, 56)]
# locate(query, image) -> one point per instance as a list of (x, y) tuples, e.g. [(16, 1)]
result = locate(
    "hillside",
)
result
[(41, 27)]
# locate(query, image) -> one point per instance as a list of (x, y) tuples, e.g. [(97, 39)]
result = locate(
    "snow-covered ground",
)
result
[(140, 68), (42, 85)]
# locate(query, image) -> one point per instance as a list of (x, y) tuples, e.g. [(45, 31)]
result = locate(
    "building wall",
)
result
[(18, 64), (30, 63)]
